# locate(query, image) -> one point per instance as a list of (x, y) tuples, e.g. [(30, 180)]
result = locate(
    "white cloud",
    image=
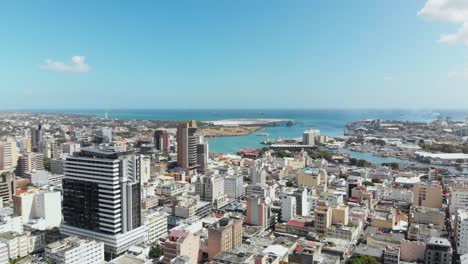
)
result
[(461, 36), (463, 74), (453, 11), (389, 78), (77, 64)]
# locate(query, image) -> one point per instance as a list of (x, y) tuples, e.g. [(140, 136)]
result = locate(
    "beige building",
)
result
[(182, 242), (309, 178), (224, 236), (428, 215), (340, 214), (323, 217), (428, 194), (384, 219), (412, 251), (8, 155)]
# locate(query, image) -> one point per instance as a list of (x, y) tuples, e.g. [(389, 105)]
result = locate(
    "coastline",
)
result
[(229, 131)]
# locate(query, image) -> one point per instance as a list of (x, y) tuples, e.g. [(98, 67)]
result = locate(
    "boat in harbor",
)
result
[(263, 134), (267, 142)]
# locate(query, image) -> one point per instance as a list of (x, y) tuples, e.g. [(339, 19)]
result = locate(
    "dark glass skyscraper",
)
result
[(101, 198)]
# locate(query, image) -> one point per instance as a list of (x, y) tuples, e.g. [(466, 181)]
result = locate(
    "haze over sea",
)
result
[(330, 121)]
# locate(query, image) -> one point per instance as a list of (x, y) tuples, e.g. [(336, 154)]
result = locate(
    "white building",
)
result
[(302, 202), (399, 195), (145, 169), (156, 222), (39, 204), (331, 198), (74, 250), (233, 186), (11, 223), (42, 177), (17, 244), (69, 148), (257, 174), (461, 230), (309, 136), (211, 189), (458, 199), (288, 208), (4, 254)]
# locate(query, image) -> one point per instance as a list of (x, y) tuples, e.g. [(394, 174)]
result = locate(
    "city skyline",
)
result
[(234, 55)]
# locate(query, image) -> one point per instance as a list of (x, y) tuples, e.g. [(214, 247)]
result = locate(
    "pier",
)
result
[(252, 122)]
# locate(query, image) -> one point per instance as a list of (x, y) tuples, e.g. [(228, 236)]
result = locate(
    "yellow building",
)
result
[(309, 178), (384, 219), (428, 194), (224, 236), (340, 214)]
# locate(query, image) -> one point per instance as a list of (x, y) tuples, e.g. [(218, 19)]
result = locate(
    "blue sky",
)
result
[(234, 54)]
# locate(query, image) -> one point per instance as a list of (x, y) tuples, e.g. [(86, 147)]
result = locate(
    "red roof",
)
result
[(311, 244), (249, 150), (21, 191), (296, 223), (298, 248)]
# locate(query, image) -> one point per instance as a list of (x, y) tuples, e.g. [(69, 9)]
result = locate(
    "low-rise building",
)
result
[(74, 250)]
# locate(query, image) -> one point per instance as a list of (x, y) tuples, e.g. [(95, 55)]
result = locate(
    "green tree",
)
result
[(353, 161), (363, 259), (289, 183), (155, 252), (343, 176), (283, 154), (368, 183), (46, 163), (362, 163)]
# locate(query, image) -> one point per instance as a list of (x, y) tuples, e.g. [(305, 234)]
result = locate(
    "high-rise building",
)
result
[(288, 208), (233, 186), (103, 135), (8, 155), (438, 251), (259, 211), (187, 141), (302, 204), (458, 198), (428, 194), (37, 139), (202, 157), (224, 236), (309, 136), (211, 189), (161, 140), (323, 217), (102, 198), (29, 162), (257, 174), (7, 186), (461, 231)]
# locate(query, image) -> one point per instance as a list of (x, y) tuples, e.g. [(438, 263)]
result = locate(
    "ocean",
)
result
[(330, 121)]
